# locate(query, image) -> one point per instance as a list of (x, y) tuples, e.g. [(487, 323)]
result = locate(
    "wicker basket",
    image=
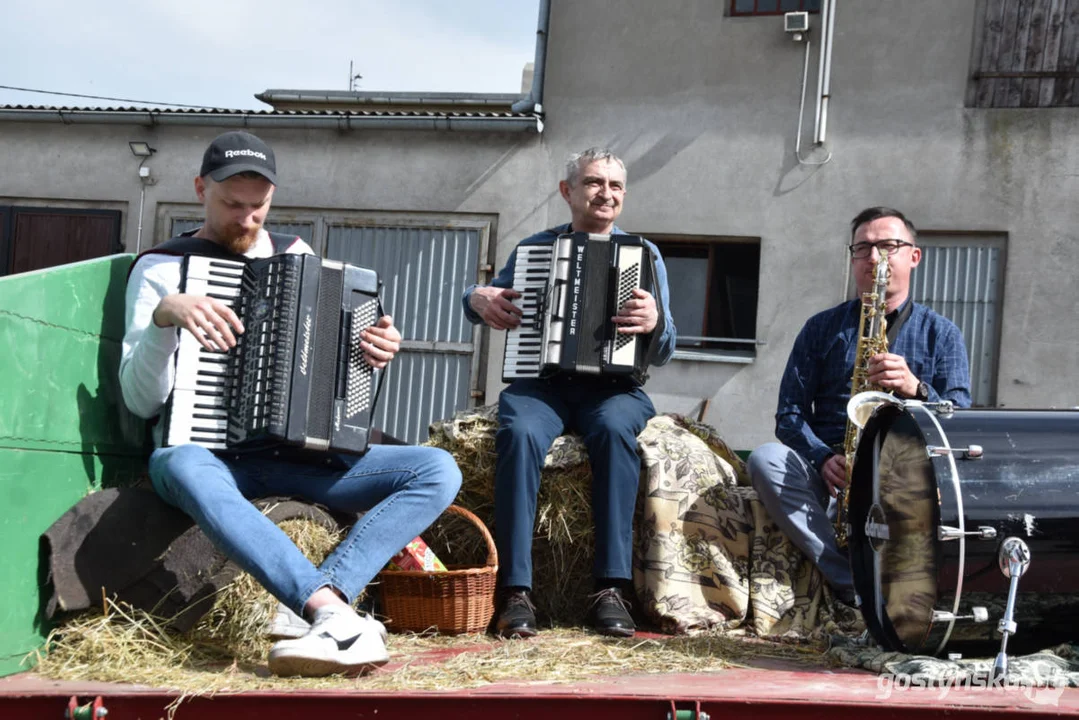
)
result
[(457, 600)]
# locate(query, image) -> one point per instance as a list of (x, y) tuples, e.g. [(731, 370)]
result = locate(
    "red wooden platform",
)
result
[(772, 690)]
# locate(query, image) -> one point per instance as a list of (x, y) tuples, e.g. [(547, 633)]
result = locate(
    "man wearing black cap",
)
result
[(400, 489)]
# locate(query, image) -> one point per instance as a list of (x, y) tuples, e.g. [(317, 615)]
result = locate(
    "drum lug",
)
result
[(984, 532), (978, 614), (971, 452), (944, 408)]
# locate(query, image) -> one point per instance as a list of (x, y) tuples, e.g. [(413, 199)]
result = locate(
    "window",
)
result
[(1025, 54), (772, 7), (961, 276), (713, 283)]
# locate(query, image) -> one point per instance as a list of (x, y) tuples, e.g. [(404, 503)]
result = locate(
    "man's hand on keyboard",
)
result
[(638, 315), (380, 342), (209, 320), (495, 306)]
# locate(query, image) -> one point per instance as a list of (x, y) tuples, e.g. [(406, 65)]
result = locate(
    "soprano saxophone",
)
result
[(872, 339)]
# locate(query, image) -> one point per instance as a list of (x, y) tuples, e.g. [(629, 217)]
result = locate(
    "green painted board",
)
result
[(61, 330), (36, 488), (63, 429)]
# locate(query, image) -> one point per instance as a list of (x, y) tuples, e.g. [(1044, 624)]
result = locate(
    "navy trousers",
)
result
[(608, 415)]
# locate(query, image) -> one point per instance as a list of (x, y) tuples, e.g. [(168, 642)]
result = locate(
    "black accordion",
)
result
[(297, 376), (570, 289)]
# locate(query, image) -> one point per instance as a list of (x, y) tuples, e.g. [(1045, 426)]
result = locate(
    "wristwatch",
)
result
[(922, 393)]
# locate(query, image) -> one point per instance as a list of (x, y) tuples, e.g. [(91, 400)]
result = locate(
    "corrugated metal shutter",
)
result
[(963, 280), (304, 230), (424, 271)]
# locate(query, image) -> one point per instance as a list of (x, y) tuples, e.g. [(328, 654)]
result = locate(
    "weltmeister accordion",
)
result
[(570, 289), (297, 376)]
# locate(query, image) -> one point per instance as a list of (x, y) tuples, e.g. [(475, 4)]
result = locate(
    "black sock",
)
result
[(606, 583)]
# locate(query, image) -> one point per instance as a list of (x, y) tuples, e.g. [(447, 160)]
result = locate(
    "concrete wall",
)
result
[(704, 109), (363, 170)]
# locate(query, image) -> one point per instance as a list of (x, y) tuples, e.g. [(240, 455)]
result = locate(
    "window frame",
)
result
[(733, 11), (709, 243)]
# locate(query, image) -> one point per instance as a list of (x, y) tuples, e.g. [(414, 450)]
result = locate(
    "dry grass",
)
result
[(226, 651), (127, 646)]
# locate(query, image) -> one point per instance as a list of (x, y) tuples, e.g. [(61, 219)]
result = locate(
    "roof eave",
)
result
[(335, 120)]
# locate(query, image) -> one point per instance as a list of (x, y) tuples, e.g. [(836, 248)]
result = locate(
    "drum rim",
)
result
[(912, 405)]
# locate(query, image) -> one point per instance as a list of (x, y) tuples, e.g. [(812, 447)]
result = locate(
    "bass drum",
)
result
[(934, 493)]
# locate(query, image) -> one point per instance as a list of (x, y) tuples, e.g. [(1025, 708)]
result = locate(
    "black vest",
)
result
[(187, 244)]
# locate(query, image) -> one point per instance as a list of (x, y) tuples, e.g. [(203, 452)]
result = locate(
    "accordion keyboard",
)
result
[(524, 344), (203, 377)]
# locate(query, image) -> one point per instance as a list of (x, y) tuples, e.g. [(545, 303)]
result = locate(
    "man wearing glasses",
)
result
[(798, 479)]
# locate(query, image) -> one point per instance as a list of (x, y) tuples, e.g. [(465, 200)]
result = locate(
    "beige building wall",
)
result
[(704, 109)]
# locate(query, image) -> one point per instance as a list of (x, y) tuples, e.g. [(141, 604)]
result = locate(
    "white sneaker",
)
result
[(287, 625), (339, 641)]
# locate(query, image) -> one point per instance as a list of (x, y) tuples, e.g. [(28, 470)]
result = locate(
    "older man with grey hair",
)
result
[(608, 412)]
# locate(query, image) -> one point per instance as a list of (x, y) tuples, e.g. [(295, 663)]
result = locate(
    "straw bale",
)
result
[(563, 536), (237, 622)]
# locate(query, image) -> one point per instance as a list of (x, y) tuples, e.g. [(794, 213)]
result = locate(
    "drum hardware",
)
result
[(977, 614), (1014, 559), (970, 452), (950, 533), (921, 591), (944, 408)]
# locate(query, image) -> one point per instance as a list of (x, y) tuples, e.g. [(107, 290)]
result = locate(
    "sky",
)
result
[(220, 53)]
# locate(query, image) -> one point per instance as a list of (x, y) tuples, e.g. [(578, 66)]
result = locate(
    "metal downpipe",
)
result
[(533, 102)]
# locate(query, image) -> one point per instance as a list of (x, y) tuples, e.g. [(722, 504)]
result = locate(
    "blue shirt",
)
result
[(812, 413), (665, 342)]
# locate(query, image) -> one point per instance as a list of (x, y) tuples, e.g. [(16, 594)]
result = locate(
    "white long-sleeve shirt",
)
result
[(147, 367)]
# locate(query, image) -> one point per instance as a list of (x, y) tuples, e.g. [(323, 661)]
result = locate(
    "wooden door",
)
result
[(46, 237)]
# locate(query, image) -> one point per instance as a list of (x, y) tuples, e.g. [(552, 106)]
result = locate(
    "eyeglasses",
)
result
[(862, 250)]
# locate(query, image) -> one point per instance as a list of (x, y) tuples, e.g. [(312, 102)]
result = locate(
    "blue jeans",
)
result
[(799, 503), (401, 490), (531, 414)]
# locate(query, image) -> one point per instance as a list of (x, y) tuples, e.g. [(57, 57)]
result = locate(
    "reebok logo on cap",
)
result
[(252, 153)]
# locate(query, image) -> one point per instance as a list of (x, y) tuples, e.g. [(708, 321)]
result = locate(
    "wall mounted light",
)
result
[(141, 149)]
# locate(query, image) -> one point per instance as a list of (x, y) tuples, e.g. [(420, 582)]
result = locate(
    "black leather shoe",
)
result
[(518, 616), (608, 613)]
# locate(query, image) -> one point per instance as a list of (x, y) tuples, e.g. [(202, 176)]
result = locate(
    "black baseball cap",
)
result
[(236, 152)]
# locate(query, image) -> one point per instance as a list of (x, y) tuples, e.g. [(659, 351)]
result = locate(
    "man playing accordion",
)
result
[(608, 412)]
